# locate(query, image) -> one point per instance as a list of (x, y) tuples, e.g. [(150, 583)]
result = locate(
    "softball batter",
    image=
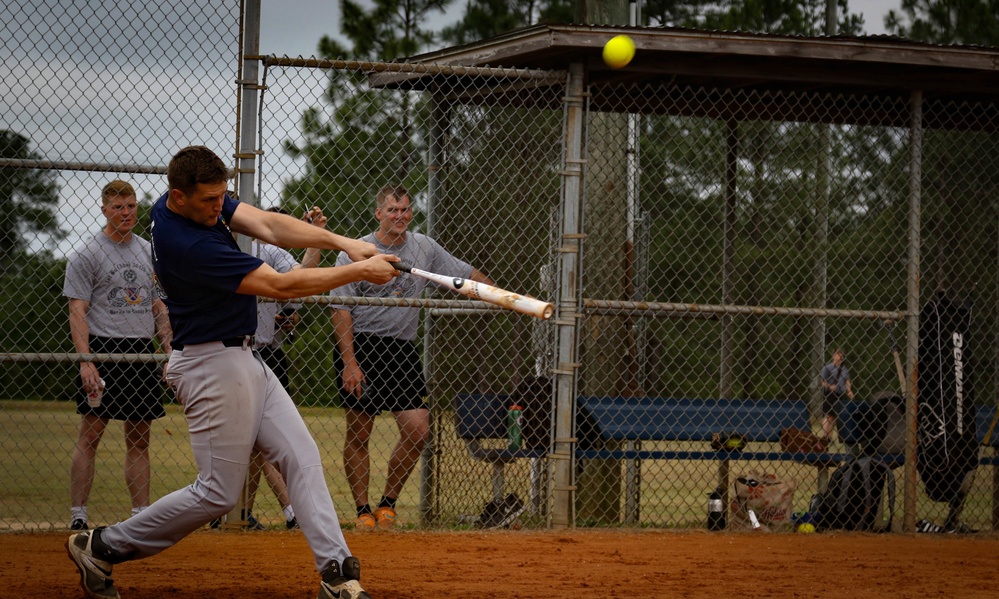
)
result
[(231, 399)]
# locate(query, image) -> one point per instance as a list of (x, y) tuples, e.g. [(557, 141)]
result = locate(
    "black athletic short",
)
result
[(278, 361), (132, 390), (830, 402), (394, 374)]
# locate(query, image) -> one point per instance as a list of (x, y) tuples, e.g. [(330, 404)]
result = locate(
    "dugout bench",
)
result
[(630, 421), (613, 428)]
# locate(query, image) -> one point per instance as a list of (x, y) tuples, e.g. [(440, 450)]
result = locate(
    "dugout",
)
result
[(728, 77)]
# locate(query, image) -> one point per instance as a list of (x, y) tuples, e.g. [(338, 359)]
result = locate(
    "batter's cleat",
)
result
[(291, 524), (365, 522), (95, 573), (343, 583), (385, 518), (78, 524)]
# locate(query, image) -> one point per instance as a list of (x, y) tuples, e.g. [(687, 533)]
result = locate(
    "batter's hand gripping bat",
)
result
[(487, 293)]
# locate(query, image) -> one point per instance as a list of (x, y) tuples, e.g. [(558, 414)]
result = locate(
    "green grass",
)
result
[(36, 440)]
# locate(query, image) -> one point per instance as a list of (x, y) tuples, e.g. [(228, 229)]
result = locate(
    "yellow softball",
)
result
[(806, 528), (619, 51)]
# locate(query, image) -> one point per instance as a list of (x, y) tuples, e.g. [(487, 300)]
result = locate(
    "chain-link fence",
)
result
[(704, 269)]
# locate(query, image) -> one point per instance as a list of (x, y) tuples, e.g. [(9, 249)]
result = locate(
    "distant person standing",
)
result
[(113, 308), (835, 381)]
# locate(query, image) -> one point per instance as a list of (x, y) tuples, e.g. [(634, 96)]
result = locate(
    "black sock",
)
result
[(102, 551), (388, 502), (364, 509)]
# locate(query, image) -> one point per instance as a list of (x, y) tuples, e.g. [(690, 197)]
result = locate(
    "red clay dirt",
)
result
[(520, 564)]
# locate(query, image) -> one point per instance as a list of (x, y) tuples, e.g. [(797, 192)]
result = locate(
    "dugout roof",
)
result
[(840, 79)]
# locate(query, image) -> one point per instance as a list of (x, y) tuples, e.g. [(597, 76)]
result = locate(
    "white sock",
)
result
[(138, 510), (78, 512), (289, 513)]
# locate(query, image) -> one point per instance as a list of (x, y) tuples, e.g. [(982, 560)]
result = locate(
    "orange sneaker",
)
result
[(385, 516), (365, 522)]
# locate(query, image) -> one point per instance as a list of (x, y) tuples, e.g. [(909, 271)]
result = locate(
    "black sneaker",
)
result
[(499, 513), (343, 584), (95, 573), (959, 528), (253, 524), (293, 523), (512, 508), (78, 524)]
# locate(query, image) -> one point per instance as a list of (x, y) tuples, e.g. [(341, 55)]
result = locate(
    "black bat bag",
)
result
[(947, 441)]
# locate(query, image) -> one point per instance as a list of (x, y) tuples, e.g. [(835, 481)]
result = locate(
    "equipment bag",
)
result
[(881, 425), (855, 495), (947, 440), (769, 498)]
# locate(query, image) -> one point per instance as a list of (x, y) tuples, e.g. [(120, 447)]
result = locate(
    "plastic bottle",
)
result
[(514, 429), (716, 511)]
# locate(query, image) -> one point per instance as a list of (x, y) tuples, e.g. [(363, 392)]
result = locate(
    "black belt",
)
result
[(244, 342)]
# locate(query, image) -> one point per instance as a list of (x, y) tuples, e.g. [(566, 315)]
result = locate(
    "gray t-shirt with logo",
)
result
[(117, 280), (419, 251)]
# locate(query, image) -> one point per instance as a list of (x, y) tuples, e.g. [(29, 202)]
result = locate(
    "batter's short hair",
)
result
[(116, 189), (194, 165), (391, 191)]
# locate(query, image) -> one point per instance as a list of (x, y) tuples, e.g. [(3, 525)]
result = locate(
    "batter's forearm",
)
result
[(285, 231), (299, 282)]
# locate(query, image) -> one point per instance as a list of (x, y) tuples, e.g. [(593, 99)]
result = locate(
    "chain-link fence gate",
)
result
[(704, 268)]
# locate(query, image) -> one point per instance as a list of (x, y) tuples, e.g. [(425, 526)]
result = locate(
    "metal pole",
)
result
[(249, 91), (727, 353), (428, 480), (246, 126), (568, 309), (912, 306)]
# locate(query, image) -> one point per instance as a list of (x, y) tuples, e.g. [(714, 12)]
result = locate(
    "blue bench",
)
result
[(627, 422), (480, 417), (632, 420)]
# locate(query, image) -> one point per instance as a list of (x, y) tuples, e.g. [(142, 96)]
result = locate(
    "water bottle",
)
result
[(514, 431), (716, 511)]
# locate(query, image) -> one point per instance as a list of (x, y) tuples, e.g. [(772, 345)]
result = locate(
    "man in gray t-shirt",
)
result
[(378, 362), (835, 380), (113, 308)]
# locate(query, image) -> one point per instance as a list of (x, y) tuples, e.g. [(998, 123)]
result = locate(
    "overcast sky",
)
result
[(40, 107)]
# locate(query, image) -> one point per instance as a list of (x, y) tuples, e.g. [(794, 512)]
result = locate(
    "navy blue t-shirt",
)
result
[(198, 270)]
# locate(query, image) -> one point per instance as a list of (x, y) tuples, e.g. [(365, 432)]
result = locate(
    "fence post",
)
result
[(912, 306), (567, 314)]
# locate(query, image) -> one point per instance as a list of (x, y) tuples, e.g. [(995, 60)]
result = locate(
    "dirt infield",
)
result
[(519, 564)]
